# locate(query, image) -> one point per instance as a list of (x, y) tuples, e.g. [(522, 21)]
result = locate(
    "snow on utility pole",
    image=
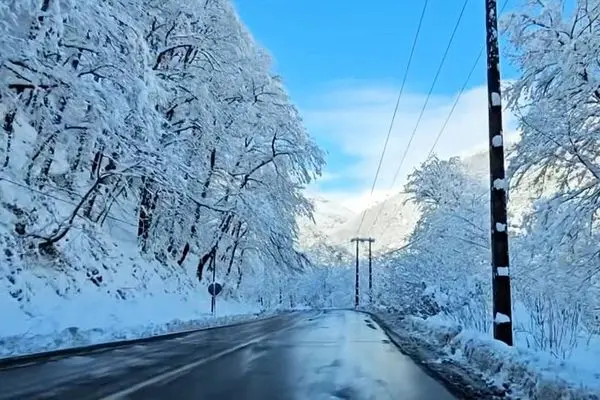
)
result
[(357, 293), (499, 237)]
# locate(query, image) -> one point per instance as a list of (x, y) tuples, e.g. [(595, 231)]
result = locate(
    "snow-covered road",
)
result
[(310, 355)]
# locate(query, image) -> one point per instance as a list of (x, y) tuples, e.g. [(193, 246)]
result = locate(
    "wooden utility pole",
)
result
[(371, 240), (502, 310), (357, 293)]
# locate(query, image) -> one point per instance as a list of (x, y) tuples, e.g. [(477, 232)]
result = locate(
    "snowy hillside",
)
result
[(478, 165), (390, 222), (327, 238), (522, 192), (314, 235), (138, 155), (327, 218)]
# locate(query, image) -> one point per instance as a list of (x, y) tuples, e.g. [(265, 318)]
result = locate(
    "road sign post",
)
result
[(214, 288)]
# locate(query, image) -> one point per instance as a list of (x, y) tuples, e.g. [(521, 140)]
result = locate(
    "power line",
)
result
[(460, 93), (387, 139), (437, 74)]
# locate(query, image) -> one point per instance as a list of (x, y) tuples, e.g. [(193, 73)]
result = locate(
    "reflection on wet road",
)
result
[(312, 356)]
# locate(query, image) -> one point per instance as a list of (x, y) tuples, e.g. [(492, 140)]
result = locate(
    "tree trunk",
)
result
[(116, 192), (47, 164), (210, 172), (186, 250), (203, 260), (96, 164), (9, 120), (58, 118), (147, 206), (79, 154)]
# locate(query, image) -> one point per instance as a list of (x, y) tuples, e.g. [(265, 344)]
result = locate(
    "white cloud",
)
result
[(356, 118), (354, 200)]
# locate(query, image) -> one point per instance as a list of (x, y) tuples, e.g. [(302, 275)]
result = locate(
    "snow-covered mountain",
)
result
[(390, 221), (315, 234), (328, 216)]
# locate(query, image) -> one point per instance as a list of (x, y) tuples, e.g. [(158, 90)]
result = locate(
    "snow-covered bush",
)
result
[(445, 266), (445, 270)]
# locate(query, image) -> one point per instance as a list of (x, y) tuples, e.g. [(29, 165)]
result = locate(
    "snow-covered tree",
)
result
[(445, 266), (162, 114), (557, 98)]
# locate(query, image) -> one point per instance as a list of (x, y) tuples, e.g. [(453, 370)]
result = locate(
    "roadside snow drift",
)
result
[(519, 373)]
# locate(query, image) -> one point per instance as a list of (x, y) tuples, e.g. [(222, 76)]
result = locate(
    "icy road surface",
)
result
[(308, 356)]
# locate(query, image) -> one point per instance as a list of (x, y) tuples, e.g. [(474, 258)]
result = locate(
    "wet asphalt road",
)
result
[(312, 356)]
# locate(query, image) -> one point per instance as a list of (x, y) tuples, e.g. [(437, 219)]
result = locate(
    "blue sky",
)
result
[(343, 61)]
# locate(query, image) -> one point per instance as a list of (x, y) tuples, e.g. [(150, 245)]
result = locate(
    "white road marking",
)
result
[(185, 368)]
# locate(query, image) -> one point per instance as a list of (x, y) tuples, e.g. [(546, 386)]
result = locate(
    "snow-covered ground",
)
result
[(96, 287), (74, 337), (448, 349), (46, 310)]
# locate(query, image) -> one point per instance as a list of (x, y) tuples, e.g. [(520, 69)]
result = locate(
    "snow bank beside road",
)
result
[(97, 287), (35, 329), (47, 304), (508, 372), (75, 337)]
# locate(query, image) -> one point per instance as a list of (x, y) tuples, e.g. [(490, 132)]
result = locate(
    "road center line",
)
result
[(185, 368)]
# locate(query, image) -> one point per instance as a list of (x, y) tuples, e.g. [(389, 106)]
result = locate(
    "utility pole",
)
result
[(371, 240), (502, 312), (356, 293), (356, 286)]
